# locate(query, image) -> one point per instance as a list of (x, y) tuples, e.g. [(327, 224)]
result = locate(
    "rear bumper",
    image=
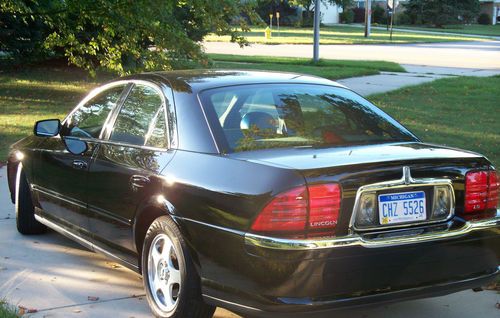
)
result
[(262, 276), (447, 231), (290, 307)]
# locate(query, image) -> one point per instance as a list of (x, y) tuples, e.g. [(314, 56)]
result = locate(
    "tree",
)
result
[(442, 12), (21, 33), (131, 35)]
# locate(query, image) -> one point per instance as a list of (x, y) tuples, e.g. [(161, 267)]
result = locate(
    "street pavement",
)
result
[(58, 278), (472, 55)]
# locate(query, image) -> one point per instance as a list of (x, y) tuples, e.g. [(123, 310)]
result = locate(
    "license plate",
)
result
[(402, 207)]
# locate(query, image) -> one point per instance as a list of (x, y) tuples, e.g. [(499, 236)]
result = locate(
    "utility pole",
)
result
[(368, 17), (317, 18), (393, 15)]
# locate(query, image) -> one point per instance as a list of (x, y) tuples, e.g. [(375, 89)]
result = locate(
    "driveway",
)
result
[(59, 278), (474, 54)]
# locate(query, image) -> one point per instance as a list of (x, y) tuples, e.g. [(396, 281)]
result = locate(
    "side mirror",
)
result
[(75, 145), (47, 127)]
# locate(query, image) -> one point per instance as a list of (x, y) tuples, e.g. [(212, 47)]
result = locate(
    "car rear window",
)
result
[(251, 117)]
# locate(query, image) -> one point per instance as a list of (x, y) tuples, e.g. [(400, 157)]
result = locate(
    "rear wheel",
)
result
[(25, 211), (171, 282)]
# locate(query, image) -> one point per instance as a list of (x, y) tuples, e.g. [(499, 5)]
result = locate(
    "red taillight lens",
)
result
[(481, 191), (290, 211), (286, 212), (493, 185), (324, 206)]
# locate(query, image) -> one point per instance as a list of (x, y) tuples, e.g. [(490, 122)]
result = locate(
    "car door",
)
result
[(61, 177), (124, 171)]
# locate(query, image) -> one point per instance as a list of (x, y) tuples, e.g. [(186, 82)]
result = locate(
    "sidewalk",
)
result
[(416, 74)]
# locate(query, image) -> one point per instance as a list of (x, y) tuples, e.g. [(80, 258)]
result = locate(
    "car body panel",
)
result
[(215, 196), (308, 158), (114, 196)]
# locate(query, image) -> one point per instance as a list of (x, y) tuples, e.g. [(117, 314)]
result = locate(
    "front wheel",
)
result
[(170, 279), (25, 211)]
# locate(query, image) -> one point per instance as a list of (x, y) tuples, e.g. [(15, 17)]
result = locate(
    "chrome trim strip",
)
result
[(231, 303), (64, 232), (406, 181), (225, 229), (217, 148), (57, 195), (81, 240), (357, 240)]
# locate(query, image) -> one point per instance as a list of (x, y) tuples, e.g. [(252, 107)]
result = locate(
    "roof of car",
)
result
[(197, 80)]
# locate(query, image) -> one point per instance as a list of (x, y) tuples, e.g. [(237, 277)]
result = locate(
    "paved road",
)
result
[(477, 55), (56, 276)]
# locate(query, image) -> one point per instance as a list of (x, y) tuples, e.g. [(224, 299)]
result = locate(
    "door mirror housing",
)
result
[(75, 145), (47, 128)]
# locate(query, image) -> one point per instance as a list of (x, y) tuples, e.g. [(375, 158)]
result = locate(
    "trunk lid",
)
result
[(307, 158), (357, 166)]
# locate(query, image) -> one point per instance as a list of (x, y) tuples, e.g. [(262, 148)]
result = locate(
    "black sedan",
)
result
[(269, 194)]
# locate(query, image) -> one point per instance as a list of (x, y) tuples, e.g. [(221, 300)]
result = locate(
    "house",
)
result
[(330, 14), (492, 8)]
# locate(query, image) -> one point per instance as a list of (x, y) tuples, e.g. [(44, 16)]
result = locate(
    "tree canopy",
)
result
[(118, 35)]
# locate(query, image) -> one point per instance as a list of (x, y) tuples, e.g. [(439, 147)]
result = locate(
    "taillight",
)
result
[(315, 207), (493, 185), (324, 206), (481, 191)]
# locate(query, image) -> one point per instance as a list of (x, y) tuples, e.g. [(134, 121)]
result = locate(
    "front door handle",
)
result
[(138, 181), (79, 164)]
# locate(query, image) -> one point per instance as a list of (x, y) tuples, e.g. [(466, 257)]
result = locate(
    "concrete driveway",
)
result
[(473, 55), (59, 278)]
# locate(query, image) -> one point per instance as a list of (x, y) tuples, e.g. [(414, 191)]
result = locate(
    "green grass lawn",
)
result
[(332, 69), (7, 311), (474, 29), (461, 112), (37, 93), (339, 35)]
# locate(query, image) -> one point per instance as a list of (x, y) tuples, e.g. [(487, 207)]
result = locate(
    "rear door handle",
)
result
[(138, 181), (79, 164)]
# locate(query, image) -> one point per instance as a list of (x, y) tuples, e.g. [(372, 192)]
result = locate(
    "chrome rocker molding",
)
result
[(405, 182), (357, 240), (84, 242)]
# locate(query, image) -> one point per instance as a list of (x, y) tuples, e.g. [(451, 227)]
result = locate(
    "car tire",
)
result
[(170, 279), (25, 211)]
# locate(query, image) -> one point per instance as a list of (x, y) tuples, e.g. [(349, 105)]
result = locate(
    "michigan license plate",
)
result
[(402, 207)]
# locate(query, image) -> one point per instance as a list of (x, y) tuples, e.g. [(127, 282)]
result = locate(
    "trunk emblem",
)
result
[(407, 175)]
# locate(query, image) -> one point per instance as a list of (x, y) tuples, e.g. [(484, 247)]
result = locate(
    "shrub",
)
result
[(442, 12), (359, 15), (379, 15), (484, 18), (347, 16)]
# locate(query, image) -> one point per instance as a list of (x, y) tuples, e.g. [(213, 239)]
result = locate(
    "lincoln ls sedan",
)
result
[(269, 194)]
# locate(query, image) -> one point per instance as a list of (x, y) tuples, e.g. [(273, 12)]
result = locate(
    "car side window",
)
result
[(88, 120), (141, 120)]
